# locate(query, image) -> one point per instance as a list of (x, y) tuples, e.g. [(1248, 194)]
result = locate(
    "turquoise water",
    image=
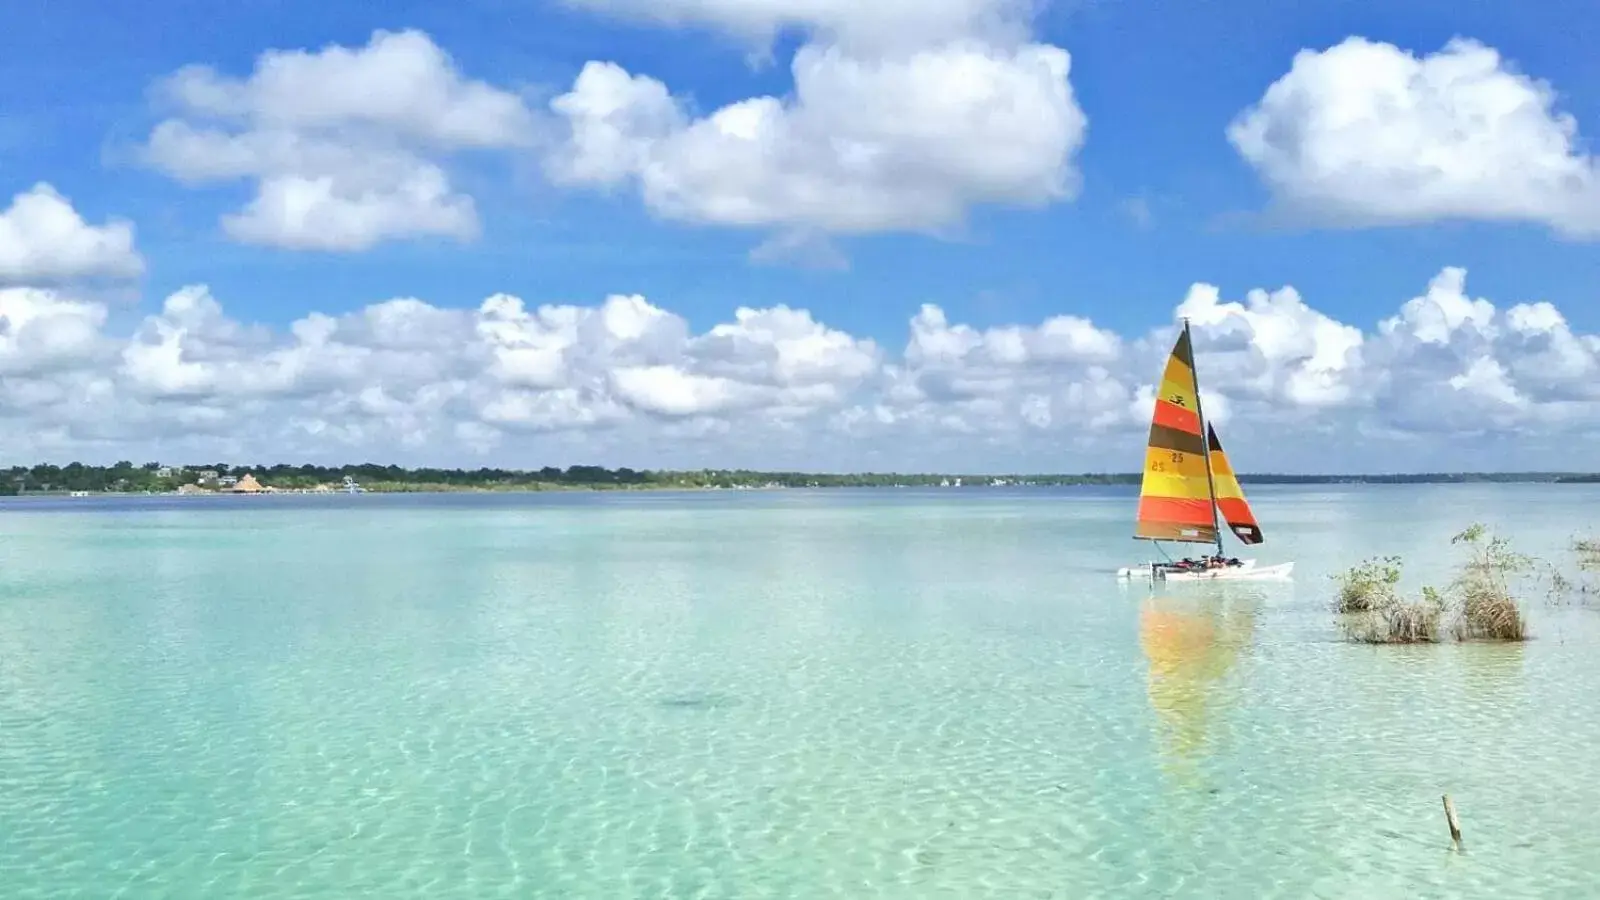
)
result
[(769, 694)]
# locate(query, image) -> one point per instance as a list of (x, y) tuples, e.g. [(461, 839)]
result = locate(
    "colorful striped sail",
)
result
[(1230, 497), (1175, 497)]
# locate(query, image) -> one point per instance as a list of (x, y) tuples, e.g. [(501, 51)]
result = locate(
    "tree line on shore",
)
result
[(125, 476)]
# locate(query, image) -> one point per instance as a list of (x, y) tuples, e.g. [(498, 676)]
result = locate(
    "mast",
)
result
[(1211, 484)]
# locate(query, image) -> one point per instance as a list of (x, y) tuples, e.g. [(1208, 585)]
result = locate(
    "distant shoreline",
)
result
[(160, 479), (963, 483)]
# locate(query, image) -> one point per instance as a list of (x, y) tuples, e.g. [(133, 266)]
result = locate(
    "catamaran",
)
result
[(1188, 483)]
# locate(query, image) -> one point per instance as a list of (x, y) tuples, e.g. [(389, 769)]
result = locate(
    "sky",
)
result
[(933, 235)]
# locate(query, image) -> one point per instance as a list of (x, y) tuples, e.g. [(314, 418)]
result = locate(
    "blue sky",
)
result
[(1158, 81), (1159, 84)]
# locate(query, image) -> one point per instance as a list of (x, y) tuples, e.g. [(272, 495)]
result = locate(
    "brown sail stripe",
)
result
[(1183, 350), (1166, 438)]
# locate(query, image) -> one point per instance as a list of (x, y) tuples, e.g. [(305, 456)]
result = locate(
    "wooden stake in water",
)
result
[(1454, 823)]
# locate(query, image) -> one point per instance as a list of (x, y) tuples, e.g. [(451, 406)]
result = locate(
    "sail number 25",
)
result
[(1158, 466)]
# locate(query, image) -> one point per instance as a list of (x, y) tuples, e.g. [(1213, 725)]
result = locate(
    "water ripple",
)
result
[(765, 698)]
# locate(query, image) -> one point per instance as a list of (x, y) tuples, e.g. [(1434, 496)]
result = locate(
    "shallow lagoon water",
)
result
[(770, 694)]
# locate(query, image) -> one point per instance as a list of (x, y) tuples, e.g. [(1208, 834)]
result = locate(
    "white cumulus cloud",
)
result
[(346, 147), (43, 239), (625, 380), (1366, 133), (903, 117)]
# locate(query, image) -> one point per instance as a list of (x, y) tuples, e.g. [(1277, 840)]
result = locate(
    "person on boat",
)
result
[(1205, 563)]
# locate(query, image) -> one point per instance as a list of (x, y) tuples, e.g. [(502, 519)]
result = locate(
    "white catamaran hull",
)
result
[(1247, 570)]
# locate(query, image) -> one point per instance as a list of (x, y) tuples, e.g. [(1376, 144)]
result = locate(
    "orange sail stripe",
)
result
[(1230, 496), (1175, 499)]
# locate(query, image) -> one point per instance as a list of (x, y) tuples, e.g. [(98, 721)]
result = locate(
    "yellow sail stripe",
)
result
[(1171, 474), (1177, 385), (1184, 487), (1227, 483)]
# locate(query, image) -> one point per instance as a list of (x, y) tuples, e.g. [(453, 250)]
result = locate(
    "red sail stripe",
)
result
[(1178, 511), (1176, 417), (1235, 511)]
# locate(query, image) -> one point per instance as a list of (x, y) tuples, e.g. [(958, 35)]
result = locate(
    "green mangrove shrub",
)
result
[(1480, 602)]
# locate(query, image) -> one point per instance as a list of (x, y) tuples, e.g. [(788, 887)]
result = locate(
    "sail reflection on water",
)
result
[(1192, 644)]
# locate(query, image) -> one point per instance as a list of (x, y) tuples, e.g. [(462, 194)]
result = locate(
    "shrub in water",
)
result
[(1369, 586), (1588, 551), (1478, 605), (1398, 621), (1487, 609)]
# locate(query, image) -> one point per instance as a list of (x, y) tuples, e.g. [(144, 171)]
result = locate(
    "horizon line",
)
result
[(1463, 473)]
